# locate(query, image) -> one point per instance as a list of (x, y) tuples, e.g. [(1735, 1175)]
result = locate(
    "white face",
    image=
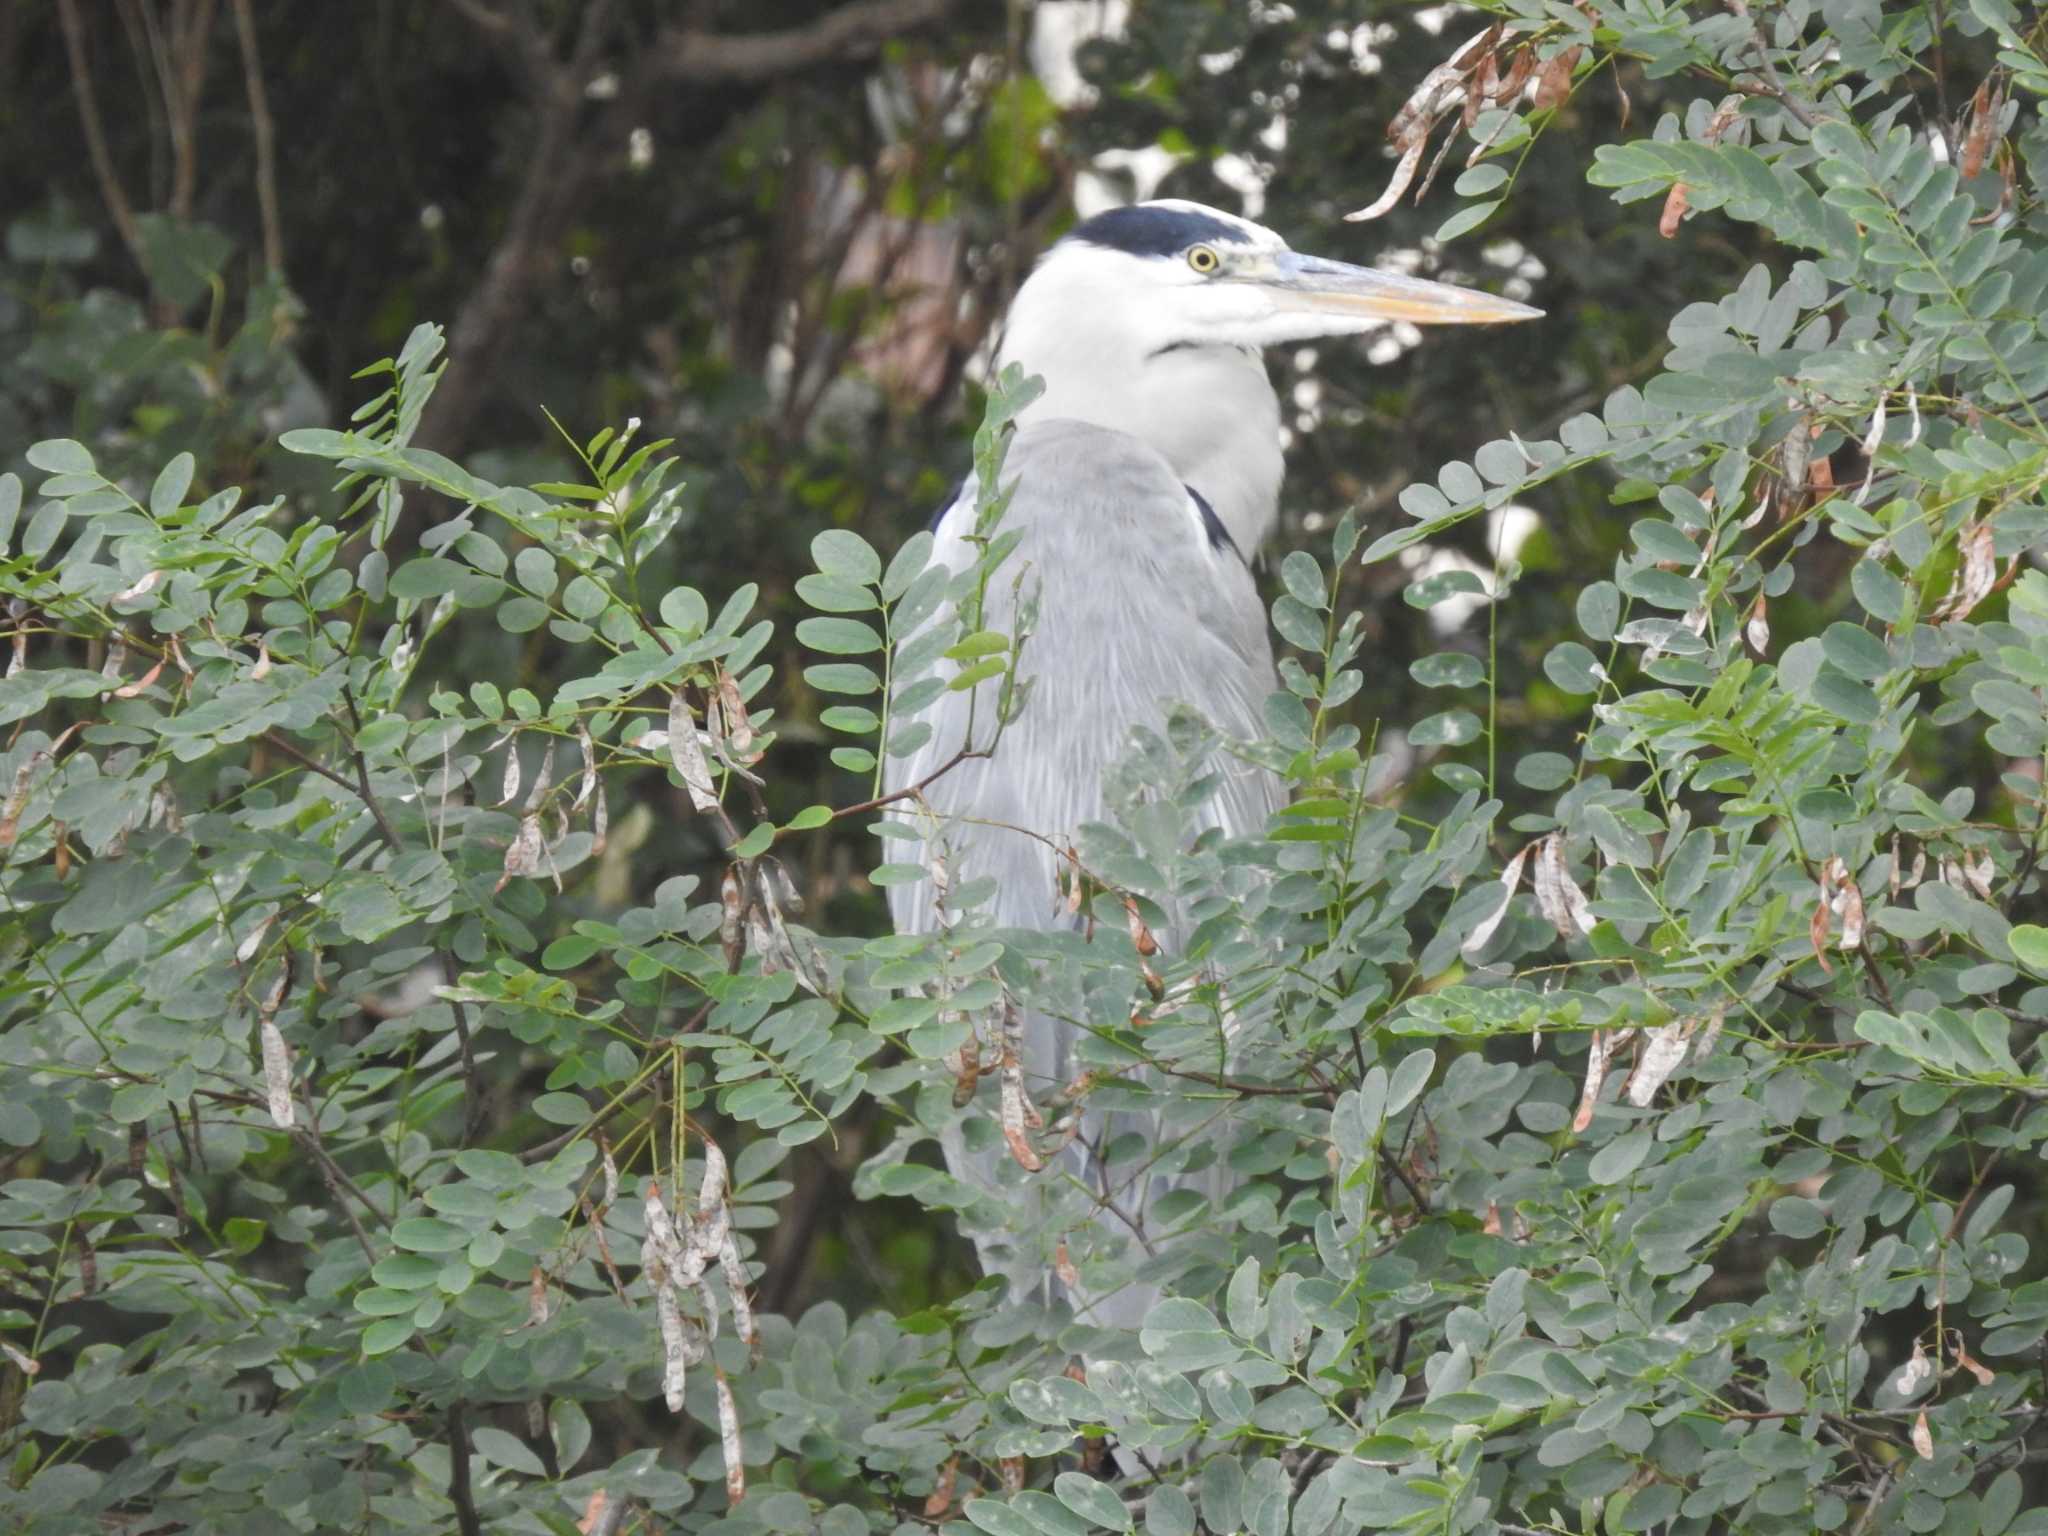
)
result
[(1173, 273)]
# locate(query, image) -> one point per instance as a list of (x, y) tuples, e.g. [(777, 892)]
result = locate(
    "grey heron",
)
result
[(1146, 476)]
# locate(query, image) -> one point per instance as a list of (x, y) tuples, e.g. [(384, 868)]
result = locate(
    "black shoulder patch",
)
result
[(945, 506), (1219, 536), (1146, 231)]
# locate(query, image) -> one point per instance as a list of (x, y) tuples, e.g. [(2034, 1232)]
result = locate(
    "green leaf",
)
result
[(1091, 1500), (1573, 668), (809, 818), (1599, 610), (429, 1234), (1466, 219), (1431, 590), (1452, 728), (2029, 942), (425, 576), (387, 1334), (535, 570), (838, 637), (167, 494), (501, 1449), (1169, 1512), (520, 615), (848, 677), (1183, 1335), (1856, 651), (1448, 669), (831, 594), (842, 553), (562, 1108), (60, 456), (1304, 580)]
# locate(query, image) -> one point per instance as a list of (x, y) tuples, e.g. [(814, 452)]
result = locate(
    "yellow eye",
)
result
[(1203, 259)]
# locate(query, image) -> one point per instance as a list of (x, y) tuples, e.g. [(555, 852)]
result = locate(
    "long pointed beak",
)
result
[(1337, 288)]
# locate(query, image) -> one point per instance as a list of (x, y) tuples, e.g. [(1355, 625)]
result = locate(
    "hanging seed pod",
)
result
[(729, 1441), (1510, 879), (687, 753)]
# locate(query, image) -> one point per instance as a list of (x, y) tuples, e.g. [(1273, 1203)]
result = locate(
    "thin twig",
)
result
[(1773, 85), (458, 1474), (472, 1085), (384, 829), (264, 131), (111, 193)]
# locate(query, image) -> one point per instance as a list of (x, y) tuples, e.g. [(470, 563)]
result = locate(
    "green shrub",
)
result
[(1636, 1139)]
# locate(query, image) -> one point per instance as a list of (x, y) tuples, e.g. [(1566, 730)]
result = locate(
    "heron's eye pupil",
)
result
[(1203, 259)]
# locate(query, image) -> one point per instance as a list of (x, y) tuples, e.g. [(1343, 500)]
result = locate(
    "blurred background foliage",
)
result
[(784, 234)]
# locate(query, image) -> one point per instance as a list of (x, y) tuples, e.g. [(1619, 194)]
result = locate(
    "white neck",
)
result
[(1208, 410)]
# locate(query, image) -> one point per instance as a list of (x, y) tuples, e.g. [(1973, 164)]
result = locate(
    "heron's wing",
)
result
[(1140, 607)]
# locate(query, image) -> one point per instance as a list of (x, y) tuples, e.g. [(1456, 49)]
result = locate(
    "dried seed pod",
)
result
[(940, 1499), (1817, 934), (667, 1246), (141, 684), (1063, 1266), (611, 1170), (711, 1193), (277, 1074), (1710, 1032), (1979, 870), (1598, 1053), (687, 753), (1847, 904), (1912, 1378), (1663, 1049), (1756, 629), (1558, 896), (966, 1065), (729, 1441), (1554, 81), (1675, 203), (735, 1271), (28, 1365), (509, 788), (537, 1297), (523, 854), (674, 1345), (1510, 879), (17, 798), (588, 785), (1015, 1103), (732, 909), (730, 722), (1404, 173), (1141, 935), (1986, 107), (1794, 454)]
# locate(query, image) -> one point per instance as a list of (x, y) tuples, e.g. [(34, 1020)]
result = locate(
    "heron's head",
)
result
[(1177, 274)]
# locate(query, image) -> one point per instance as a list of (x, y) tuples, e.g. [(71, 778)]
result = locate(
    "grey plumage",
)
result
[(1140, 608), (1145, 326)]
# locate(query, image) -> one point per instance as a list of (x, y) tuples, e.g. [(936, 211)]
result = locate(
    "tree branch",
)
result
[(458, 1474), (360, 791), (111, 193), (264, 130), (849, 31)]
